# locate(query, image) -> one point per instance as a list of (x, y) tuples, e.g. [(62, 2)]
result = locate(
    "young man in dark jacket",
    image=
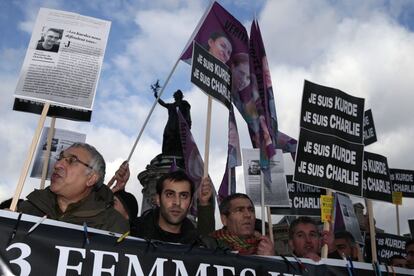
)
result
[(169, 221)]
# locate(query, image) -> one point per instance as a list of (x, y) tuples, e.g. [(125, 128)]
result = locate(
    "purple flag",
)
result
[(194, 165), (286, 144), (263, 93), (228, 183), (233, 159), (220, 33), (226, 39)]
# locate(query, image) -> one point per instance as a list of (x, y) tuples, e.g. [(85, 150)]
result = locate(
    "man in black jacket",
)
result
[(169, 221)]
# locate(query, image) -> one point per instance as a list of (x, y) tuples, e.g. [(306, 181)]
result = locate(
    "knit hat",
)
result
[(129, 202)]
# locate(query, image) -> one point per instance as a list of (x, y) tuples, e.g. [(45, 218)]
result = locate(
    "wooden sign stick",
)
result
[(208, 130), (29, 158)]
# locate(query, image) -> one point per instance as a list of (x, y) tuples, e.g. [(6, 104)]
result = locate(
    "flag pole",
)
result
[(50, 135), (269, 221), (208, 130), (229, 180), (372, 234), (29, 157), (262, 203), (168, 79), (152, 110), (197, 28), (398, 218)]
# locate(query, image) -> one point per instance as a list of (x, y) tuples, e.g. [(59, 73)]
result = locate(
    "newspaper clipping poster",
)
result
[(63, 60), (60, 141), (345, 218), (277, 194)]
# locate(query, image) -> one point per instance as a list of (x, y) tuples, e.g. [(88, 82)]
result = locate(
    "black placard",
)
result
[(211, 75), (54, 110), (304, 200), (402, 181), (328, 162), (330, 148), (389, 245), (376, 183), (331, 111), (370, 135)]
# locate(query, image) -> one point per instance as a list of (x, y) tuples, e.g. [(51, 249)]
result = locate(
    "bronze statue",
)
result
[(171, 142)]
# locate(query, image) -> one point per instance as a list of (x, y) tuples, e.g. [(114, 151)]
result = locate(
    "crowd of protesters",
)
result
[(78, 195)]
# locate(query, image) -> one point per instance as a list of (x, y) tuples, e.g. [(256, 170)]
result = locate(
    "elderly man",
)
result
[(50, 41), (238, 217), (76, 194), (169, 221)]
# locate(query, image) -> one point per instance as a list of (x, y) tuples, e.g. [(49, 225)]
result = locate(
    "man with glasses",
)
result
[(76, 193), (238, 234)]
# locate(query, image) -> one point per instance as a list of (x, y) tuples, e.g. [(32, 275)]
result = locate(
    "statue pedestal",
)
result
[(159, 165)]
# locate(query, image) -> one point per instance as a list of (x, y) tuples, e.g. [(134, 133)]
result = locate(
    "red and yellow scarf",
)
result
[(245, 246)]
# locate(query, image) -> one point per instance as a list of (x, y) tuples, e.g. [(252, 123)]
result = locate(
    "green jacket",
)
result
[(96, 209)]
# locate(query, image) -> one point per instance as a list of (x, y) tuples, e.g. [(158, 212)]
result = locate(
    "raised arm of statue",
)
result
[(161, 102)]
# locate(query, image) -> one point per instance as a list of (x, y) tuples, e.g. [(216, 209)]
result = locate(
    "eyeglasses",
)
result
[(72, 159)]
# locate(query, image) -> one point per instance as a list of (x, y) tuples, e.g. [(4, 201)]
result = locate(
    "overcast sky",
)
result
[(365, 48)]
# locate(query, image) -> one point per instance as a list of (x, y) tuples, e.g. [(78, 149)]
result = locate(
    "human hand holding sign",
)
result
[(265, 246), (120, 178), (206, 191)]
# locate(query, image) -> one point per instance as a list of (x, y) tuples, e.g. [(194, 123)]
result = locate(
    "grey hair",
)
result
[(97, 161), (225, 204)]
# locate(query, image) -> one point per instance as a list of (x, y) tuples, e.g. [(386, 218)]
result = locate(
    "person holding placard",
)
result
[(168, 222), (76, 193), (306, 241), (238, 233)]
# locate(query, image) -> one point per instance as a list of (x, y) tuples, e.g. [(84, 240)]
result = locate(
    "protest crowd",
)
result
[(78, 195)]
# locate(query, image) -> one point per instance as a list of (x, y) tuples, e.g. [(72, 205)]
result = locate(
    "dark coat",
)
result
[(96, 209), (146, 227)]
